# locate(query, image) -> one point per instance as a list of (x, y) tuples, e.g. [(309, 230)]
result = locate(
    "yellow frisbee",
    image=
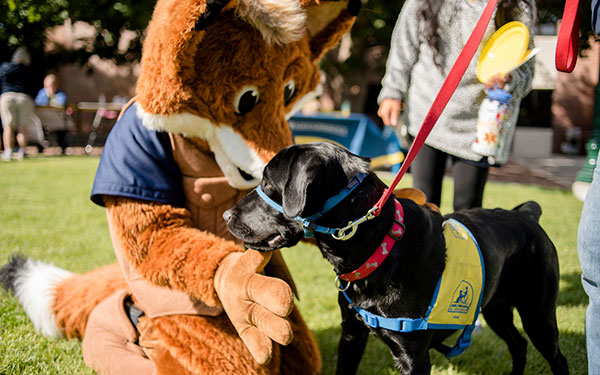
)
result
[(505, 50)]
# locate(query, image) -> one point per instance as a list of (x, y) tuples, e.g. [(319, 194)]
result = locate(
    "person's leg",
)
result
[(428, 170), (7, 123), (25, 112), (588, 248), (8, 143), (61, 139), (469, 182)]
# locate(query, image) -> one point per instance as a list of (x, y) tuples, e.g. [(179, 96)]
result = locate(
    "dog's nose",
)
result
[(227, 216)]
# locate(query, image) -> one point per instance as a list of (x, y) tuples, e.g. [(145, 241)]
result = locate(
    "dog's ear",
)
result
[(309, 184), (293, 199)]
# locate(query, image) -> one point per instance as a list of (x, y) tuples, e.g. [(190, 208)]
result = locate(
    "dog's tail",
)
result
[(531, 209), (58, 302), (33, 283)]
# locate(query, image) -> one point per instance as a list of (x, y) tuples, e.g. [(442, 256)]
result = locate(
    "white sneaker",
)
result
[(20, 155), (6, 155)]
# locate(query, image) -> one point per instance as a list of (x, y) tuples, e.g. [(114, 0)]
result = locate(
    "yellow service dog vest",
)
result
[(457, 298)]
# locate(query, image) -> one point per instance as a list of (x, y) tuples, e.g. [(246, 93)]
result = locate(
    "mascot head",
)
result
[(229, 73)]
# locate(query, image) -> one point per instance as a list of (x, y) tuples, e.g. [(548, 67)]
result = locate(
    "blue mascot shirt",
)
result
[(138, 163)]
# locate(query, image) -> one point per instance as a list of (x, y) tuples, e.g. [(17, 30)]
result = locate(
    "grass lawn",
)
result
[(46, 214)]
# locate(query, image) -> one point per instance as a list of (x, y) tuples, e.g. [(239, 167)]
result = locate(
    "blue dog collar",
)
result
[(309, 222)]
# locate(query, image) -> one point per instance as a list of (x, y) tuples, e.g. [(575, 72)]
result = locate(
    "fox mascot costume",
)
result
[(219, 79)]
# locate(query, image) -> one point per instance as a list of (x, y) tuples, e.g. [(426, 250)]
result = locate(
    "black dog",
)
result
[(521, 264)]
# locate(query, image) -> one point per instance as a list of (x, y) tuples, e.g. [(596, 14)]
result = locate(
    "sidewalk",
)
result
[(558, 171)]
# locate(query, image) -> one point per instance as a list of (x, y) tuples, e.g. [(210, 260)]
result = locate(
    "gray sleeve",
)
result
[(404, 52), (522, 77)]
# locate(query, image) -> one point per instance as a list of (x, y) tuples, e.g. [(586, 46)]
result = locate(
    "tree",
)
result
[(26, 22)]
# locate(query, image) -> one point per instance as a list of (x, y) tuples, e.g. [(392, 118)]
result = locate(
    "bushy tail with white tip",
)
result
[(33, 284)]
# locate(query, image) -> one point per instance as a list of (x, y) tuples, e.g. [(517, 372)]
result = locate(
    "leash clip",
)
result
[(353, 226)]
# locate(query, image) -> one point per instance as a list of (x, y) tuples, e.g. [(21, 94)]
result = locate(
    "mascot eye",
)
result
[(289, 91), (245, 100)]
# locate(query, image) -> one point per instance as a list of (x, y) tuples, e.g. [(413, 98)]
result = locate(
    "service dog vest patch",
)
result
[(457, 298)]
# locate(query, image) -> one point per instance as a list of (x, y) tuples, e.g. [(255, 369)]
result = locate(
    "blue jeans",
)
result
[(588, 247)]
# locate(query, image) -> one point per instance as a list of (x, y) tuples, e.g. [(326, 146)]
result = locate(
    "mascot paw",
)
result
[(257, 305)]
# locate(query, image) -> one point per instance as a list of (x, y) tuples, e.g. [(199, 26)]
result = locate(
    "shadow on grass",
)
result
[(487, 355), (572, 293)]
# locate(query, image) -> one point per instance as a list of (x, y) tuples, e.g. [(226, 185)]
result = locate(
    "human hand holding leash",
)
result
[(257, 305)]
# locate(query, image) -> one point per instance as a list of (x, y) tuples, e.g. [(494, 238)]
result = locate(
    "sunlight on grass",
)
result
[(46, 214)]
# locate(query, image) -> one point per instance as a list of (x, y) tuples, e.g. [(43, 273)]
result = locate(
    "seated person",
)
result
[(51, 95), (53, 121)]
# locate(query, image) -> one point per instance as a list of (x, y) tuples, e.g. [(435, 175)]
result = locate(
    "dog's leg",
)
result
[(536, 303), (538, 313), (499, 316), (410, 351), (353, 341), (540, 325)]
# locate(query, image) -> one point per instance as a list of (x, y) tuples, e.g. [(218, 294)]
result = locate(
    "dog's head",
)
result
[(300, 179), (231, 72)]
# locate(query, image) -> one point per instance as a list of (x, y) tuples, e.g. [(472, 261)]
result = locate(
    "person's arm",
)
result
[(41, 98), (404, 52), (520, 80), (60, 98)]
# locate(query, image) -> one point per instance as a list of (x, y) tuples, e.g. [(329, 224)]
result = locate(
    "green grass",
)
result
[(45, 213)]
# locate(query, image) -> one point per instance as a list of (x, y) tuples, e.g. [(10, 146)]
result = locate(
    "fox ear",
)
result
[(176, 29), (328, 21)]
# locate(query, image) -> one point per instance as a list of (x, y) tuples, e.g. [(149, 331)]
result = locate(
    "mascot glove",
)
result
[(257, 305)]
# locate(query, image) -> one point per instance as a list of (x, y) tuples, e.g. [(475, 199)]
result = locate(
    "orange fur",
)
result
[(206, 345), (76, 296), (331, 34), (160, 241), (198, 73)]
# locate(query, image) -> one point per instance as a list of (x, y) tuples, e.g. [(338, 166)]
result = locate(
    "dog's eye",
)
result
[(289, 91), (246, 99)]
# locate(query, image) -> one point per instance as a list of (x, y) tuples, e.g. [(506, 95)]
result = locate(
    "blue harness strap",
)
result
[(409, 325), (393, 324)]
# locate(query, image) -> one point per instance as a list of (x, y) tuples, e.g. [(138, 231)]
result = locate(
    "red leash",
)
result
[(567, 45), (442, 98)]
